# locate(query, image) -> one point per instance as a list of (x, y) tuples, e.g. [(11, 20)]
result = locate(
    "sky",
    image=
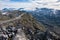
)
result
[(30, 4)]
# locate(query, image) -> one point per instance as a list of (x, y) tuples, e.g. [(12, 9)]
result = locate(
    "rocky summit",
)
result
[(17, 25)]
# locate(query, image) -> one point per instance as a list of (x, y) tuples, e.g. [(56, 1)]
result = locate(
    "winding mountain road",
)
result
[(19, 17)]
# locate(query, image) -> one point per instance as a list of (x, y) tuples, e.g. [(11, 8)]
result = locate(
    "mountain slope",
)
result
[(29, 21), (26, 23), (35, 30), (27, 27)]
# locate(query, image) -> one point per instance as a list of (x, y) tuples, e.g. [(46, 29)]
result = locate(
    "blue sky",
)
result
[(30, 4), (16, 0), (20, 0)]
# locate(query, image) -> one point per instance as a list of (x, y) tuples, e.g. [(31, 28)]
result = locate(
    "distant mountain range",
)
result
[(49, 17), (11, 9)]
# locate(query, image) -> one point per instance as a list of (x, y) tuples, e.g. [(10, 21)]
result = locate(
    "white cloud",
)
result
[(54, 4), (31, 5), (26, 5)]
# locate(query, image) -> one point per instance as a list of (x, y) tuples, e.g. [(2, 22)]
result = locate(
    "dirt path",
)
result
[(19, 17)]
